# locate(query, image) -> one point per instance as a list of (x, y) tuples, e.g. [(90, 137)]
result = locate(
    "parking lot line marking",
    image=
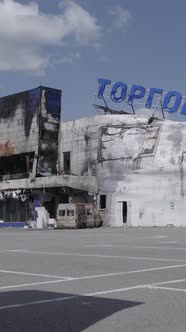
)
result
[(32, 274), (136, 247), (92, 276), (159, 285), (99, 256), (128, 272), (19, 305), (117, 290), (138, 286), (105, 292), (11, 250), (158, 236), (167, 288), (168, 242), (169, 282), (33, 284)]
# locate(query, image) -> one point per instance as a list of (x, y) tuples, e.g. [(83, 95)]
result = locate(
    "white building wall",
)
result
[(152, 183)]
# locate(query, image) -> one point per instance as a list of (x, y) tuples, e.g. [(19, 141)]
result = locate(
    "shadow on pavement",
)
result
[(56, 312)]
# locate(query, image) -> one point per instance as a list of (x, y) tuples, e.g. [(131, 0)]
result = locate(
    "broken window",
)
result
[(66, 162), (89, 212), (102, 203), (61, 213), (70, 213), (15, 165)]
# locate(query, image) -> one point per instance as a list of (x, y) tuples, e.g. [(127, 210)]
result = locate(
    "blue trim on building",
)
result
[(12, 224)]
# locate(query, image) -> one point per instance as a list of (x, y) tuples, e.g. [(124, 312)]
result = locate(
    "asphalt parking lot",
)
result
[(124, 280)]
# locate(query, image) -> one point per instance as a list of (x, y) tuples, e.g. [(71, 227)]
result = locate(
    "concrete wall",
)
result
[(135, 162)]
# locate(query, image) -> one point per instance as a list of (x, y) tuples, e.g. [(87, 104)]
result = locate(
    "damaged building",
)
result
[(140, 165), (132, 167), (29, 167)]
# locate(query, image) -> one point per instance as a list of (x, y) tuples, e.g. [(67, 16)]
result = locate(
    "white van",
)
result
[(78, 215)]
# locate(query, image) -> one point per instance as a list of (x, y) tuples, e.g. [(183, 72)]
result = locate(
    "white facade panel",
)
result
[(135, 161)]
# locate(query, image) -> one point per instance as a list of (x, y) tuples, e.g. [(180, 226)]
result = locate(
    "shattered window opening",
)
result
[(15, 165), (89, 212), (66, 162), (102, 202), (61, 213)]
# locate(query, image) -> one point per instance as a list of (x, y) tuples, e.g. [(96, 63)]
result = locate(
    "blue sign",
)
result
[(120, 92)]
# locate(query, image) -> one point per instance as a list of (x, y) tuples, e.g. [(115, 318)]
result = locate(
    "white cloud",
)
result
[(26, 33), (67, 59), (121, 17)]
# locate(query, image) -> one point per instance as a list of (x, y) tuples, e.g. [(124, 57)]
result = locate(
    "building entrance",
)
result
[(124, 212)]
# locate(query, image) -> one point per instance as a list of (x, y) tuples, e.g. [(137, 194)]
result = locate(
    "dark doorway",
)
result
[(51, 207), (66, 162), (124, 212), (102, 202)]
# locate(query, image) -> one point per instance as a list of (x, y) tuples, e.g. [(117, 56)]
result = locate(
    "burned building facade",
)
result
[(29, 126), (133, 168), (29, 144), (140, 166)]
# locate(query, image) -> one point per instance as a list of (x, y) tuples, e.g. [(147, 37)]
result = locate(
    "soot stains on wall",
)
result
[(29, 123), (118, 142), (49, 131), (28, 103)]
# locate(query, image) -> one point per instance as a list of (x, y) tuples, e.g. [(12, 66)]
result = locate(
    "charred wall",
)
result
[(19, 122), (49, 131), (122, 142), (29, 126)]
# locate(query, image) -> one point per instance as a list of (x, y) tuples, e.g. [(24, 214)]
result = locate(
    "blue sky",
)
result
[(70, 44)]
